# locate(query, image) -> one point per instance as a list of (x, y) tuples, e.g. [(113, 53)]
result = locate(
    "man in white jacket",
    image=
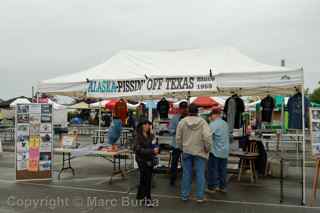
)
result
[(193, 137)]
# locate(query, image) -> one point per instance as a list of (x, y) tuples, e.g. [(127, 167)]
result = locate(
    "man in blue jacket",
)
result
[(176, 152)]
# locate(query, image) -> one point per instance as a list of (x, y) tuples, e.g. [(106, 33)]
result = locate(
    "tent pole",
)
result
[(150, 113), (282, 117), (32, 92), (37, 97), (99, 129), (303, 149), (283, 63), (189, 97)]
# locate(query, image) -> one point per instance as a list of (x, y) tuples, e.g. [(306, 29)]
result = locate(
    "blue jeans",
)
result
[(198, 164), (217, 172)]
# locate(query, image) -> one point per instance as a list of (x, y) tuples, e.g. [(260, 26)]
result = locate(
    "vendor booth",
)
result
[(182, 74)]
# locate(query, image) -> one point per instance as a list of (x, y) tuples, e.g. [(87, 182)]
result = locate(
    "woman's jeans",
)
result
[(190, 162), (144, 189), (217, 172)]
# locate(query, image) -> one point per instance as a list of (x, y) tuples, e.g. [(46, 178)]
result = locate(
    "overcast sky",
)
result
[(41, 39)]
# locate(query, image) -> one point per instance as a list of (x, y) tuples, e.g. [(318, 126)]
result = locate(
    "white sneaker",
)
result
[(203, 200), (211, 191), (223, 190)]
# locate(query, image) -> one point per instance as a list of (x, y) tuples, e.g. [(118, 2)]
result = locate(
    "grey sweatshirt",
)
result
[(193, 136)]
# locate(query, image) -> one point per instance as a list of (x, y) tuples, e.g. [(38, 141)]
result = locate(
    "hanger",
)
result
[(268, 94), (298, 91), (211, 75)]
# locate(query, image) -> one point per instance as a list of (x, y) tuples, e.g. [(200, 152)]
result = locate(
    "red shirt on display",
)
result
[(121, 110)]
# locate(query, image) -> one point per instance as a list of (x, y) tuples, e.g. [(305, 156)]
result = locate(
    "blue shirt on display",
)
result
[(220, 138), (114, 132), (295, 111)]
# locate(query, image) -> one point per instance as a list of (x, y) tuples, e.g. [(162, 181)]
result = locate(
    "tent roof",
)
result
[(19, 101), (81, 105), (6, 104), (233, 70), (314, 104), (99, 104), (205, 101), (219, 99), (56, 106)]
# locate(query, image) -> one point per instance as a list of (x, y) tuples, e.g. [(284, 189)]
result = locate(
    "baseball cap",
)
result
[(215, 110), (183, 105)]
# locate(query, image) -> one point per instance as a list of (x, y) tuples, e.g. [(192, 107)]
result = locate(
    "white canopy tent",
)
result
[(19, 101), (60, 113), (124, 73), (102, 104), (56, 106), (183, 73), (99, 104)]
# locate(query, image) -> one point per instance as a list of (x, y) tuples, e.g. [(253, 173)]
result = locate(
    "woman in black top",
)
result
[(145, 153)]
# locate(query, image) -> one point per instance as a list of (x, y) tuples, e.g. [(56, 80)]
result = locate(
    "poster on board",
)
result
[(315, 131), (34, 142), (68, 141)]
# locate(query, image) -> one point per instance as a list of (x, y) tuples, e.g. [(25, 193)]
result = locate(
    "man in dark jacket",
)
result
[(176, 152)]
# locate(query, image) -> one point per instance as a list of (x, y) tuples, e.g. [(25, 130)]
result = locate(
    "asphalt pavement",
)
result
[(89, 191)]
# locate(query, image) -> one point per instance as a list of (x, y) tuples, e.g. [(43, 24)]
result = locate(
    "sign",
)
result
[(150, 86), (34, 143), (315, 131), (67, 141)]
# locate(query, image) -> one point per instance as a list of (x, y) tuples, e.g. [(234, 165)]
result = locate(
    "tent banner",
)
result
[(149, 86)]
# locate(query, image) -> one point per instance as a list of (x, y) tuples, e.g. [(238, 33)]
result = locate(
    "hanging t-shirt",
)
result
[(121, 111), (267, 105), (163, 108), (233, 109), (231, 113), (240, 110), (295, 111), (142, 113)]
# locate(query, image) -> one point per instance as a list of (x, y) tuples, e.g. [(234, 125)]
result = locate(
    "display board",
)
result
[(315, 131), (34, 141)]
